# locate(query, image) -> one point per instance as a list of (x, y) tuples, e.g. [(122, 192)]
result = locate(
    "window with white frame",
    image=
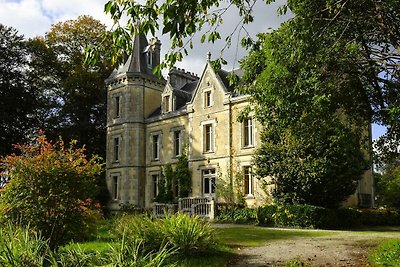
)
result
[(155, 146), (115, 187), (207, 99), (154, 179), (248, 181), (116, 148), (209, 179), (177, 135), (208, 142), (248, 132)]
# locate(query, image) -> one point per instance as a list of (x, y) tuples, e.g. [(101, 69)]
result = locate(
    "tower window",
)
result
[(116, 148), (115, 186), (149, 59), (117, 105)]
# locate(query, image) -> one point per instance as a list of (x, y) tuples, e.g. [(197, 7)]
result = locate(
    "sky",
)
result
[(35, 17)]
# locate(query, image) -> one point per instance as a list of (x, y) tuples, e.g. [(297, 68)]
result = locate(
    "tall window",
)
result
[(177, 143), (149, 59), (117, 100), (209, 182), (248, 132), (116, 148), (208, 138), (207, 98), (154, 179), (115, 193), (166, 104), (248, 180), (156, 147)]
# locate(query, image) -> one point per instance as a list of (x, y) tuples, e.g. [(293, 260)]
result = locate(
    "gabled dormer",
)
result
[(212, 89), (168, 99)]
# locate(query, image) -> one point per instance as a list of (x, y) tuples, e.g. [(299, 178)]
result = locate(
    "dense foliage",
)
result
[(20, 104), (50, 189), (388, 185), (176, 181), (313, 134), (75, 92), (308, 216)]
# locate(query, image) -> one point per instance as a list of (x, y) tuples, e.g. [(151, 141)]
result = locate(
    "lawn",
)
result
[(251, 236), (228, 237)]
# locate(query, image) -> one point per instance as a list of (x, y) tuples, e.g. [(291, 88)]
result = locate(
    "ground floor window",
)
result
[(155, 179), (115, 187), (208, 177), (248, 180)]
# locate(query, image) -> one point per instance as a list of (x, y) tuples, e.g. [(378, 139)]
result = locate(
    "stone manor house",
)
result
[(150, 121)]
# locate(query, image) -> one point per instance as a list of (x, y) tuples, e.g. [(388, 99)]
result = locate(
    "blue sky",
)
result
[(35, 17)]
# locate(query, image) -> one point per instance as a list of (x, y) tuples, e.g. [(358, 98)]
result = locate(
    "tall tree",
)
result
[(18, 100), (76, 91)]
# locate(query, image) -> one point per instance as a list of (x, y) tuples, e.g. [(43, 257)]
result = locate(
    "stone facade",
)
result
[(150, 121)]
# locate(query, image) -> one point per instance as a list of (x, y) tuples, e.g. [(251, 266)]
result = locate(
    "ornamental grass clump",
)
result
[(22, 247), (185, 234), (188, 234)]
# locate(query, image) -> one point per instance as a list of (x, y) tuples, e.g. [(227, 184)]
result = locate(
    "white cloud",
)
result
[(34, 17), (26, 16)]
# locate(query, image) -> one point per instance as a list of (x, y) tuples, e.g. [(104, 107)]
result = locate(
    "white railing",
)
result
[(159, 209), (201, 206)]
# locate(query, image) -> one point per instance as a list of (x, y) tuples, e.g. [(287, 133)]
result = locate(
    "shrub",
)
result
[(376, 217), (140, 227), (50, 189), (237, 214), (187, 235)]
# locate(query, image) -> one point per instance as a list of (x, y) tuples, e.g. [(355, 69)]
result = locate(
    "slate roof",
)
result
[(136, 61)]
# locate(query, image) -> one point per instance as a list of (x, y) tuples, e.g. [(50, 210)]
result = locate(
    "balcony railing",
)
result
[(201, 206)]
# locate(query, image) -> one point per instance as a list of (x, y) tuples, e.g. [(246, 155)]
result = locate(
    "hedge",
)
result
[(308, 216)]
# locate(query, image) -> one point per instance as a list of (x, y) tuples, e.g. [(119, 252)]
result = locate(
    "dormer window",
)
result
[(167, 103)]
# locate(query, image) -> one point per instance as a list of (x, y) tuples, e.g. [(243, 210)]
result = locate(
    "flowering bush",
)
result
[(50, 189)]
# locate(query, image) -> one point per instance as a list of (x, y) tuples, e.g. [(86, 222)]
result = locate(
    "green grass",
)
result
[(387, 254), (251, 236), (217, 259)]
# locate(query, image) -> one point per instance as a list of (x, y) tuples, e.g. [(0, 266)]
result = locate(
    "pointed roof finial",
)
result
[(209, 57)]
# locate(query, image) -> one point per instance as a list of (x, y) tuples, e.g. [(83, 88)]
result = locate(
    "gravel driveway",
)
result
[(342, 248)]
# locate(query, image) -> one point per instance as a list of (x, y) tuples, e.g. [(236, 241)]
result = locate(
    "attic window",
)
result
[(207, 99)]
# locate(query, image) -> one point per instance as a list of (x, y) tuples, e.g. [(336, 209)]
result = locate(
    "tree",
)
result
[(50, 189), (76, 92), (388, 185), (18, 100)]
